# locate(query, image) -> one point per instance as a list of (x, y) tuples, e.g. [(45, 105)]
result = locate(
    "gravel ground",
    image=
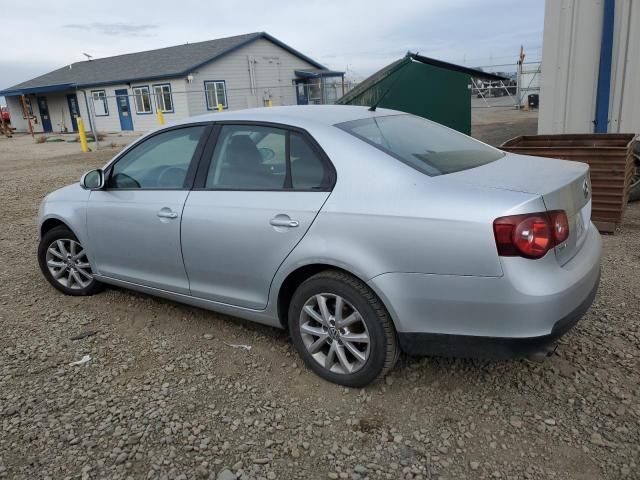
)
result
[(166, 396)]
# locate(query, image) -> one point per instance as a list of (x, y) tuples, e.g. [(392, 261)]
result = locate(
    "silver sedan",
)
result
[(364, 233)]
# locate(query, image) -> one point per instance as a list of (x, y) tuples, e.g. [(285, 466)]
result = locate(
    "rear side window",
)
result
[(426, 146), (255, 157)]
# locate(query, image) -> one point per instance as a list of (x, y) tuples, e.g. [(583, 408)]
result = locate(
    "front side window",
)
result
[(161, 162), (164, 100), (216, 94), (253, 157), (142, 99), (100, 106), (426, 146)]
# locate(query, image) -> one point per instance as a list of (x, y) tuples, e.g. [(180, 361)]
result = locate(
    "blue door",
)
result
[(124, 111), (44, 114), (74, 110)]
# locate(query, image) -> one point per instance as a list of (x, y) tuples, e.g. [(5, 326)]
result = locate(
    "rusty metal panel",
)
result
[(610, 159)]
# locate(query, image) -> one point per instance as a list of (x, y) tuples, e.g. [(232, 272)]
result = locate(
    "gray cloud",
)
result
[(122, 29)]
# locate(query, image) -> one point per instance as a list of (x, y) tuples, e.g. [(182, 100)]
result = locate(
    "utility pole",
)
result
[(519, 79)]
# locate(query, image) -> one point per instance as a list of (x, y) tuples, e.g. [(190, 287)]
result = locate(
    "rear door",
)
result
[(258, 189)]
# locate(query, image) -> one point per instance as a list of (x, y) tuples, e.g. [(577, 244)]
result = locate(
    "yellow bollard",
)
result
[(269, 103), (83, 135), (220, 107), (160, 117)]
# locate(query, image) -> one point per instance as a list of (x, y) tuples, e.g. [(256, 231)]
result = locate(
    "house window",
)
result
[(100, 106), (216, 93), (164, 100), (142, 98)]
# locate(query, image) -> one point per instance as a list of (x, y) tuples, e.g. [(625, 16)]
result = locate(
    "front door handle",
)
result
[(166, 213), (283, 221)]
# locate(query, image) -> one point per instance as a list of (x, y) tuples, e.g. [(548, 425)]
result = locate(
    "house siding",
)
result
[(274, 74)]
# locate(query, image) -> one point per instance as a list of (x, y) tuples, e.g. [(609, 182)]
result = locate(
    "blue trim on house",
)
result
[(226, 96), (601, 121), (106, 102), (46, 89), (173, 110), (263, 35), (133, 87)]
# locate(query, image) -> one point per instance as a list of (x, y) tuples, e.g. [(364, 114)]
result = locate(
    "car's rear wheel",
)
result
[(64, 263), (341, 329)]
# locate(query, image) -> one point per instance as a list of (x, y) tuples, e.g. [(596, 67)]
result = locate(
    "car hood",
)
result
[(72, 192)]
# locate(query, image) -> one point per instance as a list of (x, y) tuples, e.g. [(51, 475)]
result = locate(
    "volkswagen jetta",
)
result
[(363, 232)]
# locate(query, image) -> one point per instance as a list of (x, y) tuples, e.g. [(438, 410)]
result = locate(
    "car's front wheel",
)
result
[(64, 263), (342, 330)]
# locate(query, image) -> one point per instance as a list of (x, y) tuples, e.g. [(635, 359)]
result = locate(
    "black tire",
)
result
[(62, 233), (383, 343)]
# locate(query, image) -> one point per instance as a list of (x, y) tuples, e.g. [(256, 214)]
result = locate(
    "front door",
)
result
[(134, 222), (74, 110), (44, 114), (302, 95), (124, 110), (254, 206)]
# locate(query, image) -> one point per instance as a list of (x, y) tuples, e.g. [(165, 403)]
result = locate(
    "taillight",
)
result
[(530, 235)]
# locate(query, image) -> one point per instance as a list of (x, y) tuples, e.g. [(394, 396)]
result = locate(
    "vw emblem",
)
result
[(333, 333), (585, 188)]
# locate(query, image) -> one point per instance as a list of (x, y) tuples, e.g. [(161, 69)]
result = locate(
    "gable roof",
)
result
[(148, 65), (381, 74)]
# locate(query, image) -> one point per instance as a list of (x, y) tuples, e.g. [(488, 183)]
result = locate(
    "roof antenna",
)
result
[(89, 57), (373, 107)]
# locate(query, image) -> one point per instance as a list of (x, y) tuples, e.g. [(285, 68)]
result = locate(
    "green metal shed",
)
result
[(423, 86)]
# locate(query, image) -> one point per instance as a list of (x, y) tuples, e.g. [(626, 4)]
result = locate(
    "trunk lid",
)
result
[(563, 185)]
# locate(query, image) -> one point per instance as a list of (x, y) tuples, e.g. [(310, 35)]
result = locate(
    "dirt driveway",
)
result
[(166, 395)]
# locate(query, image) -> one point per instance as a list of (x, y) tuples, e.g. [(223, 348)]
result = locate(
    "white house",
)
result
[(126, 91)]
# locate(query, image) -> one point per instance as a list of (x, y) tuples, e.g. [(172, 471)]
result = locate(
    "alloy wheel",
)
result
[(68, 264), (334, 333)]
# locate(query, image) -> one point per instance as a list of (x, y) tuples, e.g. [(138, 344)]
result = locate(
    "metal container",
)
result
[(610, 157)]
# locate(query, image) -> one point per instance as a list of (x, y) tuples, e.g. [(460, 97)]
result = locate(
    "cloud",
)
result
[(121, 29)]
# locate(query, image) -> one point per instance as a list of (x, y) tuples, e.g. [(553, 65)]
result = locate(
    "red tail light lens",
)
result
[(560, 226), (530, 235)]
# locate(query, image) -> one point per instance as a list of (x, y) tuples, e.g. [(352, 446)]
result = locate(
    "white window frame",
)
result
[(214, 84), (100, 98), (139, 92), (158, 92)]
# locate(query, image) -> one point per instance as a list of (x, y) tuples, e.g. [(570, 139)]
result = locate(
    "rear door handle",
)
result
[(166, 213), (283, 221)]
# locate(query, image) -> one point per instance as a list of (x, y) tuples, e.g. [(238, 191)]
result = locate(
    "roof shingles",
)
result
[(147, 65)]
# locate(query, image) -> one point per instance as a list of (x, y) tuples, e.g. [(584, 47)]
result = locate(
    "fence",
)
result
[(524, 82)]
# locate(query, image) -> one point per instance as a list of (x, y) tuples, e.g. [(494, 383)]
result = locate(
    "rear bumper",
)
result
[(533, 303), (466, 346)]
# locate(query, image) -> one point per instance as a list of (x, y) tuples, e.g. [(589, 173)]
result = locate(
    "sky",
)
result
[(355, 36)]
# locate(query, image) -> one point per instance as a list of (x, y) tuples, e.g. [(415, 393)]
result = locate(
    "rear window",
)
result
[(426, 146)]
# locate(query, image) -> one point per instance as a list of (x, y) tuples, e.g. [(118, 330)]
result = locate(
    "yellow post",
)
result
[(269, 103), (160, 117), (83, 135), (220, 107)]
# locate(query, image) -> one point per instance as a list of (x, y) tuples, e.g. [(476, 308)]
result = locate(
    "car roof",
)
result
[(296, 115)]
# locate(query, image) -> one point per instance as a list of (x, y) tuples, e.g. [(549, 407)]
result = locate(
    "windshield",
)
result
[(424, 145)]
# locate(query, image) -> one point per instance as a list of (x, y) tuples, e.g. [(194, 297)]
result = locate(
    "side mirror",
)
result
[(93, 180)]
